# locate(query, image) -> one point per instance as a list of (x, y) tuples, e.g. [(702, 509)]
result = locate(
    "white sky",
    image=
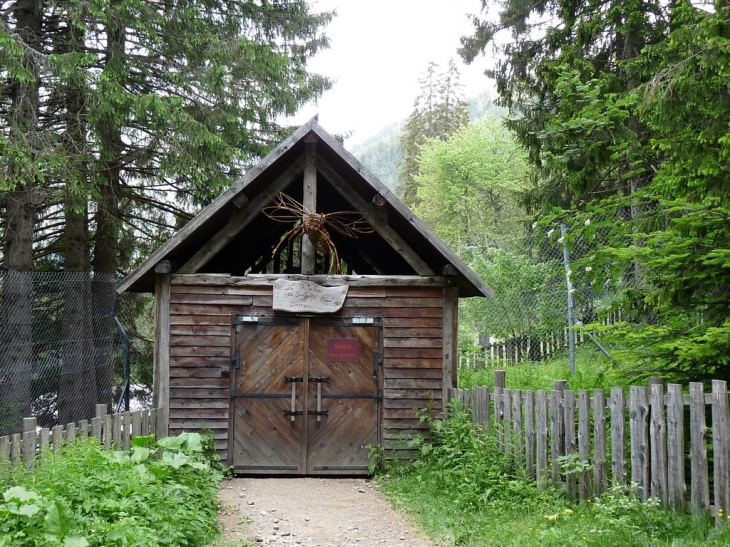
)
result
[(379, 49)]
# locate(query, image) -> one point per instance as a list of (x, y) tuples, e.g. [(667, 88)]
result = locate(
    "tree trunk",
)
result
[(17, 290)]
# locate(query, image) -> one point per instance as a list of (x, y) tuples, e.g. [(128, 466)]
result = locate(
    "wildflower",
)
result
[(587, 223), (534, 225), (589, 268), (561, 240), (550, 233)]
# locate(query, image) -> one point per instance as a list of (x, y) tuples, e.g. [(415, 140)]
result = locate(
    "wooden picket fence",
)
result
[(112, 430), (584, 442)]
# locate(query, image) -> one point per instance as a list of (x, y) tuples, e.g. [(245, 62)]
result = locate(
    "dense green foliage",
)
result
[(623, 109), (161, 493), (463, 491)]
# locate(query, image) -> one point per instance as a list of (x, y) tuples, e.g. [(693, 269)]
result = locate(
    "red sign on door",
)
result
[(343, 350)]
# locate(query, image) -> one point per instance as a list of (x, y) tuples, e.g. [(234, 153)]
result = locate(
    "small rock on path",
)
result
[(313, 512)]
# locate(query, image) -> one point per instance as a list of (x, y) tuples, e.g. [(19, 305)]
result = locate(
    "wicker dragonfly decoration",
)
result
[(315, 226)]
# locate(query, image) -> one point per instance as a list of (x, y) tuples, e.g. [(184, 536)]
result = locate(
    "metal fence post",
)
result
[(571, 312)]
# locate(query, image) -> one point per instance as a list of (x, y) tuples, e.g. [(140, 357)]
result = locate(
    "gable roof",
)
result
[(231, 233)]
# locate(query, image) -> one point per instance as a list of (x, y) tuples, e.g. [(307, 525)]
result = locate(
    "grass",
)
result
[(593, 370), (462, 491)]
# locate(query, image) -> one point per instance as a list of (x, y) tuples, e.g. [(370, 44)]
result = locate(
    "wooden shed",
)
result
[(296, 373)]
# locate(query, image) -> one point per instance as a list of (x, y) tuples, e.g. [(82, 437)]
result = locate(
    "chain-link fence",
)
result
[(61, 351), (545, 289)]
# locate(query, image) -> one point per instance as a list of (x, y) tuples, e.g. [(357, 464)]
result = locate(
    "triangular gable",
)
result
[(232, 224)]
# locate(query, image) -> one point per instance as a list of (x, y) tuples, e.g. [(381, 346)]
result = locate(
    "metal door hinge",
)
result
[(293, 379), (319, 379), (318, 412), (293, 413), (377, 365), (236, 358)]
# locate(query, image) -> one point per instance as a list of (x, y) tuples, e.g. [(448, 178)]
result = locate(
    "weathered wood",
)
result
[(165, 267), (541, 470), (383, 229), (675, 448), (96, 427), (618, 437), (309, 201), (239, 220), (84, 429), (530, 434), (240, 201), (556, 434), (449, 348), (498, 418), (500, 378), (117, 431), (71, 433), (721, 450), (256, 280), (699, 485), (44, 440), (639, 431), (599, 442), (570, 438), (509, 446), (658, 445), (517, 428), (584, 443), (161, 365), (378, 200), (16, 448), (57, 437), (29, 441)]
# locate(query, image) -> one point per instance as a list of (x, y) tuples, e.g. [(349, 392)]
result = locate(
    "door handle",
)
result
[(319, 412), (293, 412)]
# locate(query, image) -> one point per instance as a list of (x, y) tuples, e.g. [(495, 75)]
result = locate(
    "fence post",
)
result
[(658, 444), (618, 437), (599, 440), (675, 447), (639, 425), (529, 399), (569, 425), (699, 483), (29, 425), (500, 378), (584, 441), (542, 440), (721, 450), (571, 312)]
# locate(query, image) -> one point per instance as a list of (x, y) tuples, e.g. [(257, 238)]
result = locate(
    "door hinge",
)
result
[(319, 379), (236, 358), (288, 379), (378, 363)]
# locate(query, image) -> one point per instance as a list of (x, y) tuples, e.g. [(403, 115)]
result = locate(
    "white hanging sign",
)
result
[(305, 296)]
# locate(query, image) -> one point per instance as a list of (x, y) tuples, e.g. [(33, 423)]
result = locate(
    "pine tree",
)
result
[(438, 112)]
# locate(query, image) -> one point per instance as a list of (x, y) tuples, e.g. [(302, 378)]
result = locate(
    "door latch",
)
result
[(236, 358), (378, 363)]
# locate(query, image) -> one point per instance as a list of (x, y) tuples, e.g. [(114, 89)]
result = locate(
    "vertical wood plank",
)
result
[(541, 463), (721, 450), (29, 441), (107, 433), (136, 430), (57, 437), (675, 448), (507, 424), (500, 379), (599, 441), (16, 451), (639, 431), (449, 348), (84, 429), (117, 431), (4, 454), (584, 442), (556, 435), (145, 427), (161, 387), (498, 419), (126, 430), (570, 441), (658, 444), (699, 481), (96, 428), (530, 433), (618, 437), (44, 439), (160, 427), (71, 432), (153, 422), (517, 431), (100, 410)]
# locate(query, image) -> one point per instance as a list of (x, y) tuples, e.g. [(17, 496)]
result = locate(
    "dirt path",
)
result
[(313, 513)]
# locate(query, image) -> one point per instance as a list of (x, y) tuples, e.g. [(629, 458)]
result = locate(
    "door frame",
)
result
[(240, 319)]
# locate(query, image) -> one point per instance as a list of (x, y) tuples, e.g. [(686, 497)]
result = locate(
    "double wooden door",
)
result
[(305, 395)]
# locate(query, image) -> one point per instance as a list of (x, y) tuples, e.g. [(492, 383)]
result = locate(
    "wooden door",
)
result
[(332, 369), (343, 397), (268, 422)]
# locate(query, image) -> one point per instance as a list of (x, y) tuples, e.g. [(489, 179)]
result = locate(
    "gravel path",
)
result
[(313, 513)]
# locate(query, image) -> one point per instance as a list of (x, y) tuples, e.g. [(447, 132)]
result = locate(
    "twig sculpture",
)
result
[(314, 225)]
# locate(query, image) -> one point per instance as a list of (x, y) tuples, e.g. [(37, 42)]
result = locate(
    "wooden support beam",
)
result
[(380, 226), (161, 364), (241, 220), (448, 269), (449, 343), (309, 200), (240, 200), (324, 280), (165, 267)]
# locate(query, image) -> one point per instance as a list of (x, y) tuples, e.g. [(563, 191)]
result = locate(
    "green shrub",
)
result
[(160, 493)]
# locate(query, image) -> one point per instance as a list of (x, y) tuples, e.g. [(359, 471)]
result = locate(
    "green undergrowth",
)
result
[(462, 491), (593, 370), (161, 493)]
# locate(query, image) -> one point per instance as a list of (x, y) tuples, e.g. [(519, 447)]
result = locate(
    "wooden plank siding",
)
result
[(200, 349)]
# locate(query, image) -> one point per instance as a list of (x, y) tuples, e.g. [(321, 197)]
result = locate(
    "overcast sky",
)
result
[(379, 50)]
